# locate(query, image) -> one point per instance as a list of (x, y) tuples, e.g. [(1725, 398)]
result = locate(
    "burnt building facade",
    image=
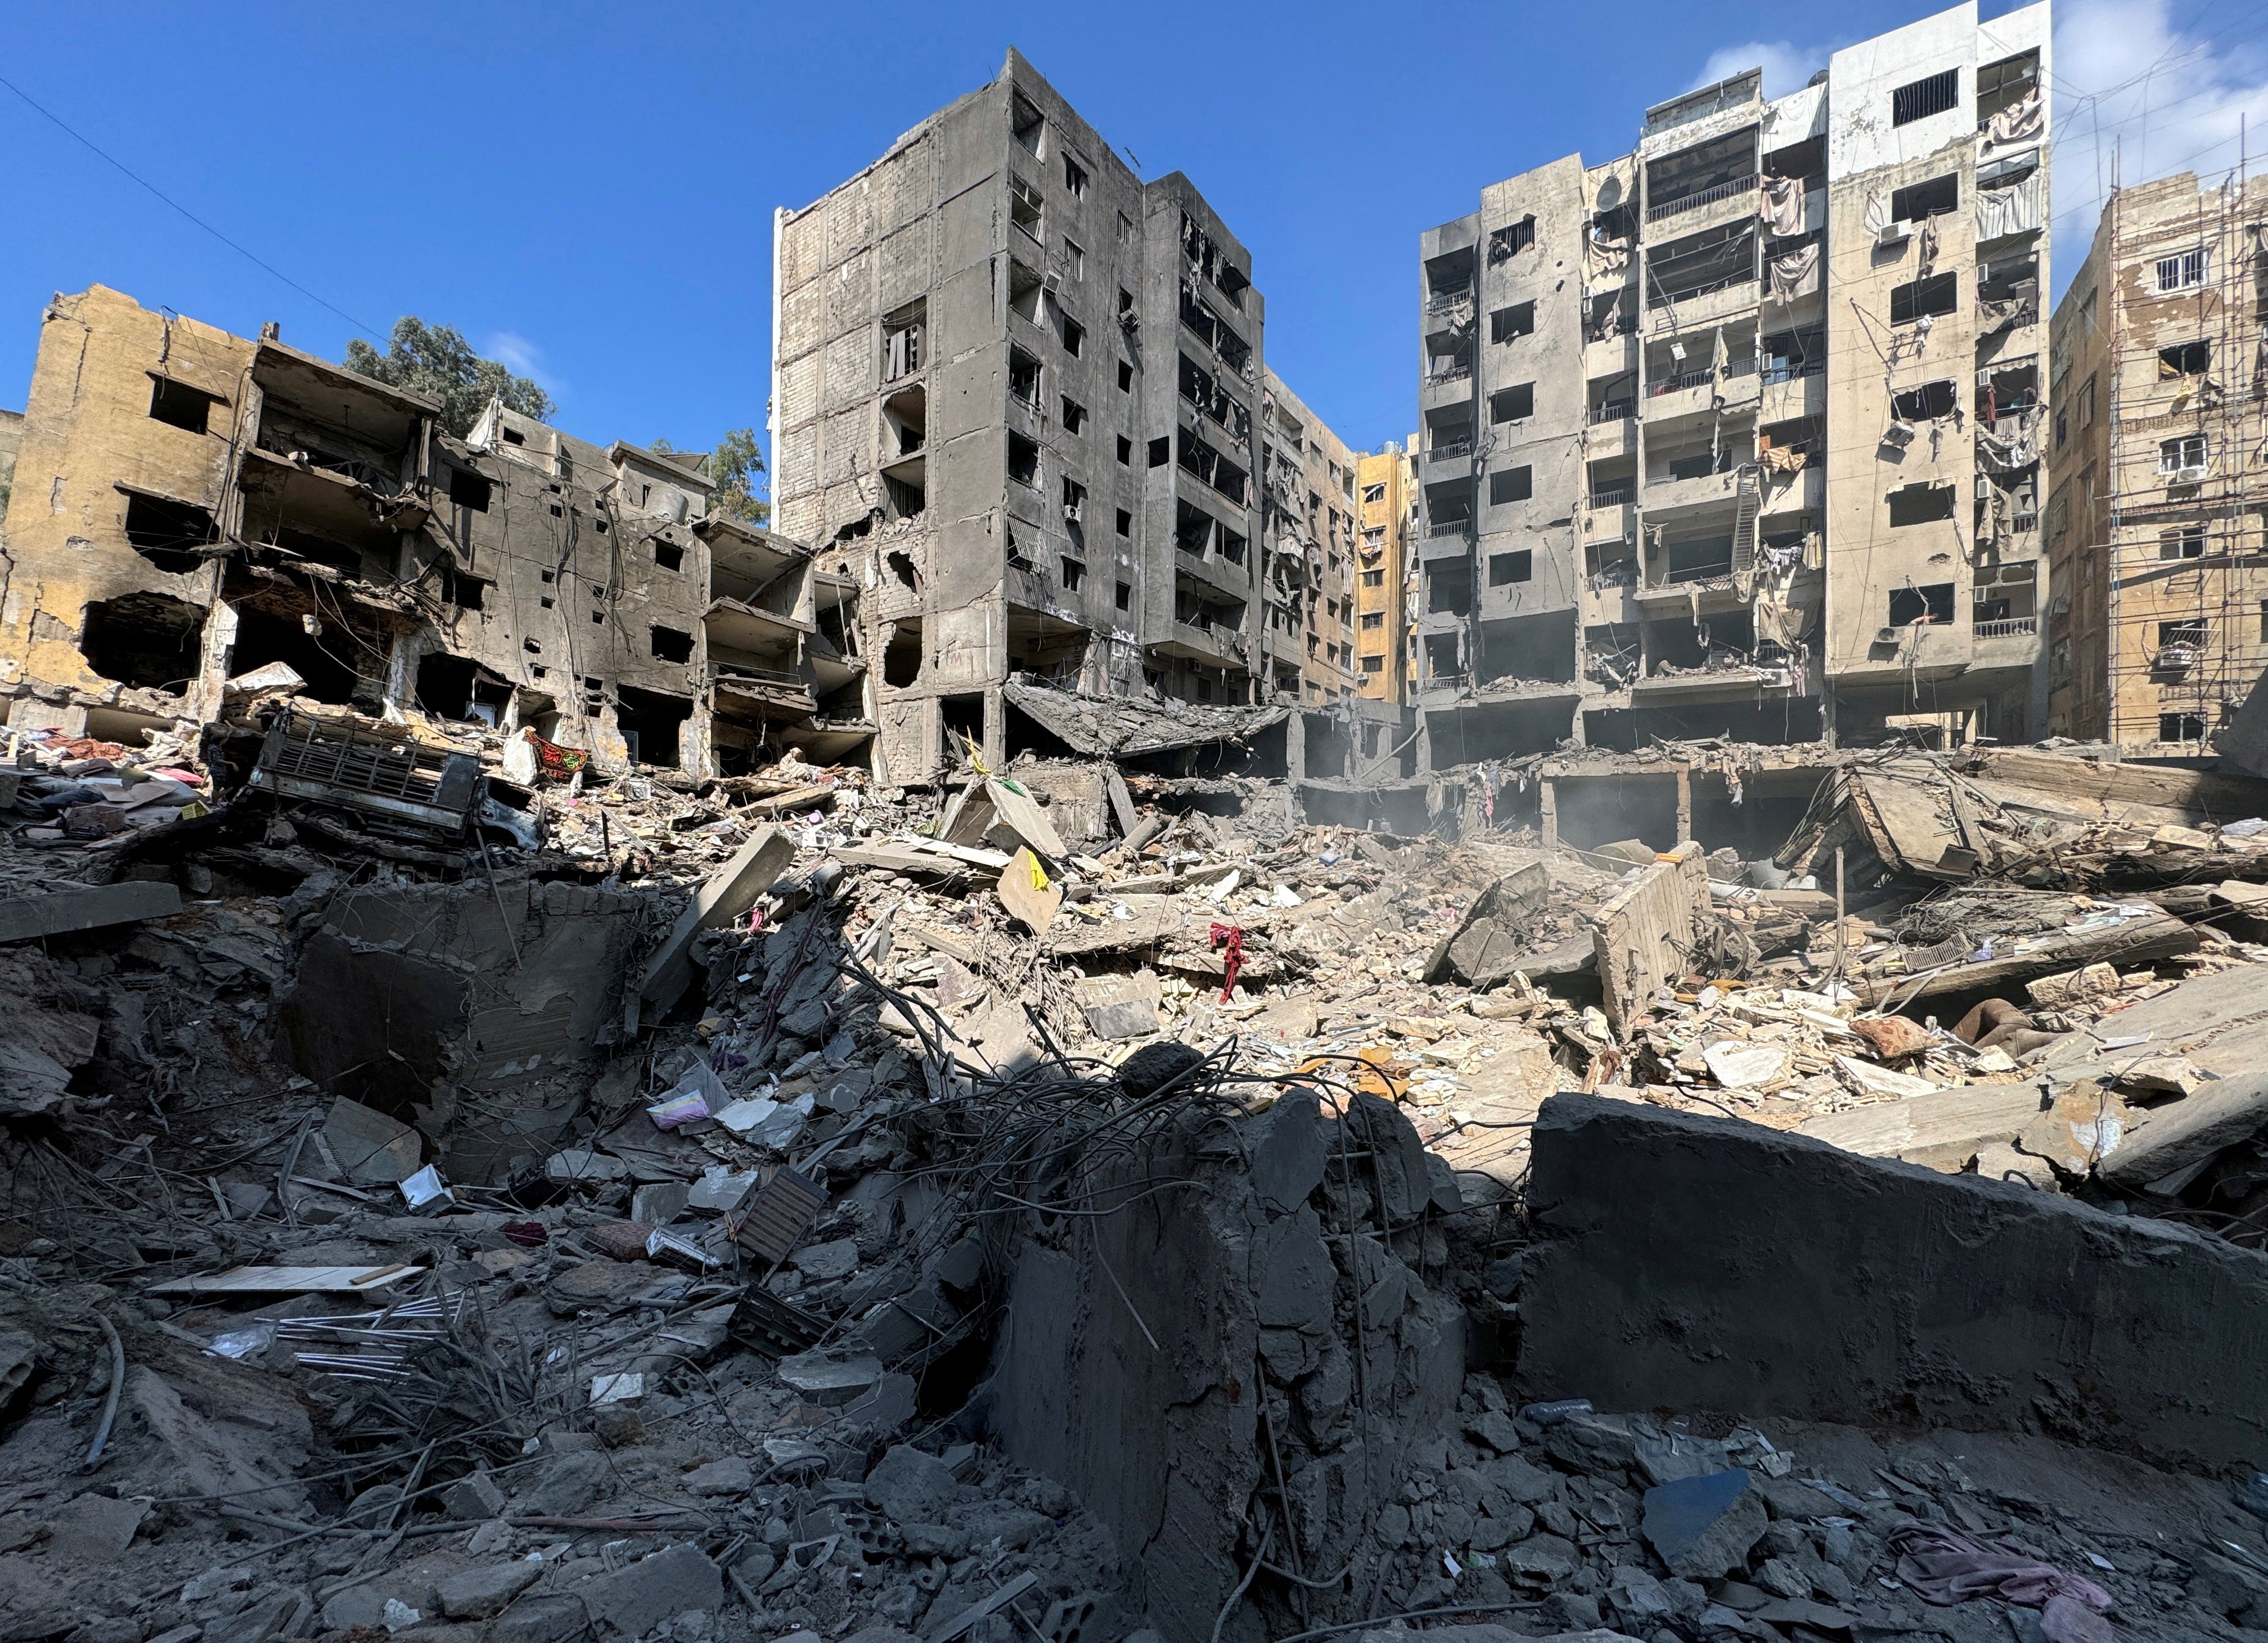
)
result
[(190, 506), (1021, 396)]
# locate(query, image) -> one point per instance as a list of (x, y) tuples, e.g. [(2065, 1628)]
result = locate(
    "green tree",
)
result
[(436, 361), (733, 470)]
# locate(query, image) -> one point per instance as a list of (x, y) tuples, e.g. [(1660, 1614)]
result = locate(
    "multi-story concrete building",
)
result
[(2158, 614), (190, 505), (1738, 433), (1027, 387), (1307, 552), (1386, 487)]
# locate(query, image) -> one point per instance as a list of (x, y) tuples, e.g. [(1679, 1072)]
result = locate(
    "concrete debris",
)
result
[(1080, 1199)]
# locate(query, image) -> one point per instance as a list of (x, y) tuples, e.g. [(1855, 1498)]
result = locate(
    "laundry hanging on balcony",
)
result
[(1781, 205), (2021, 121), (2012, 443), (1604, 258), (2014, 210), (1795, 273)]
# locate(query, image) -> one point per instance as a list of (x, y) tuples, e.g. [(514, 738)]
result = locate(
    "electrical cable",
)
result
[(48, 115)]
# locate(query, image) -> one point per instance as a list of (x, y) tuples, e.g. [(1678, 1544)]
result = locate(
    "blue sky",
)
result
[(587, 191)]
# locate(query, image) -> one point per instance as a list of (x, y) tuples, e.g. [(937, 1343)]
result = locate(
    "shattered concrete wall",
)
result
[(91, 449), (1165, 1359), (574, 571), (1306, 626), (1949, 669), (437, 1002), (1859, 1290), (979, 342)]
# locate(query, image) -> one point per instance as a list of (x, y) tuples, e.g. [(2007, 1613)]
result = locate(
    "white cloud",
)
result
[(2132, 95), (522, 359), (1786, 67)]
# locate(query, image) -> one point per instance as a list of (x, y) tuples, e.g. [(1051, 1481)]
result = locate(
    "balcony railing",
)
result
[(1445, 297), (1448, 450), (2007, 627), (1451, 373), (1793, 370), (1450, 527), (1700, 573), (777, 678), (1694, 202), (1612, 496), (1695, 379), (1613, 410), (1662, 299)]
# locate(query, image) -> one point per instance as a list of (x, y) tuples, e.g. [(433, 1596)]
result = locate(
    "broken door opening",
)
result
[(649, 722), (459, 687)]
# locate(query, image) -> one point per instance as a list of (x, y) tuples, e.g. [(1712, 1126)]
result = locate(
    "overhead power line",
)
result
[(369, 331)]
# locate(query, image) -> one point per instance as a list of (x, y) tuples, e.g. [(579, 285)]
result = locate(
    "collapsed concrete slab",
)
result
[(1704, 1262), (86, 907), (1163, 1359), (727, 893), (462, 1003)]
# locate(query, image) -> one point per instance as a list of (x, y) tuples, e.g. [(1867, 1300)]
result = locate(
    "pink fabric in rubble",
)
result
[(1948, 1568)]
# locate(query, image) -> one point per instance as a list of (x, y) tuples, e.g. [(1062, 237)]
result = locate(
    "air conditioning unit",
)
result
[(1894, 234), (1899, 434), (1886, 635), (1054, 279), (1071, 511), (2186, 476)]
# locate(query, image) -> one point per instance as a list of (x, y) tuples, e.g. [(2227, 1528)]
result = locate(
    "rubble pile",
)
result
[(492, 1199)]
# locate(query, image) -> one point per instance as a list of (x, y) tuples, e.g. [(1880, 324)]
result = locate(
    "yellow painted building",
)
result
[(1384, 651)]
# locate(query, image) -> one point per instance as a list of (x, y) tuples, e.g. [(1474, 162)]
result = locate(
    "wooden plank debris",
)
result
[(288, 1280)]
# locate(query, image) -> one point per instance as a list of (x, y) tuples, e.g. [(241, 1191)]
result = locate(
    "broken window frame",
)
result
[(179, 405), (1932, 296), (1931, 94)]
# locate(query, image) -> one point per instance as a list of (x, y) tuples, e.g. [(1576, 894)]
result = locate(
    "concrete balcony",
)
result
[(1448, 459), (1717, 594), (1611, 437), (1803, 492), (1688, 310), (1695, 393), (1232, 579), (1215, 646), (1439, 389), (1727, 202), (1686, 496), (1612, 357), (1609, 515), (2010, 642), (1445, 539), (1723, 684), (1790, 397)]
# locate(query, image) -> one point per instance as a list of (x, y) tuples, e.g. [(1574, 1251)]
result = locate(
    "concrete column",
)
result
[(1684, 804), (996, 727), (1549, 805)]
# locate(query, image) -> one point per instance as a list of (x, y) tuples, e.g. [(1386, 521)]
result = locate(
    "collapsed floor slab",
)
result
[(1861, 1290)]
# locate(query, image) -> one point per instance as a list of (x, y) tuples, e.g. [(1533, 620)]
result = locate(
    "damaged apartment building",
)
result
[(1739, 433), (2158, 622), (1023, 393), (191, 506)]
